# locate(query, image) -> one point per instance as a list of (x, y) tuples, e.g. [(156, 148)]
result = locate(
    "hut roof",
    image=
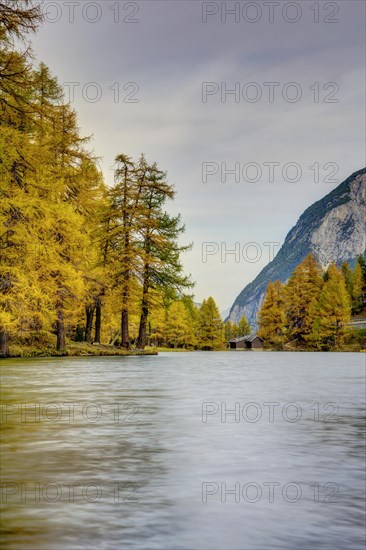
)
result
[(246, 338)]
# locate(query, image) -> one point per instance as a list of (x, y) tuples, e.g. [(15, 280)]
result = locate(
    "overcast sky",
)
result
[(155, 77)]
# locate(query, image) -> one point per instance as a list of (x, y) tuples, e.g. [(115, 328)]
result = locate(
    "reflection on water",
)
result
[(184, 451)]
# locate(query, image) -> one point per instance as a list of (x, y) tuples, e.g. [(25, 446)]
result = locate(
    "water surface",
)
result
[(185, 451)]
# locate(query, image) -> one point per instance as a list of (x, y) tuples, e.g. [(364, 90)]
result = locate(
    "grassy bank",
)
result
[(74, 349)]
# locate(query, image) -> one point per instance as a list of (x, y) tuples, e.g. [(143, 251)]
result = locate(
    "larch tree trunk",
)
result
[(89, 312), (4, 343), (124, 329), (125, 339), (98, 320), (60, 327), (141, 341)]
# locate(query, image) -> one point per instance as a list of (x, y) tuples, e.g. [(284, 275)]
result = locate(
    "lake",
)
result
[(189, 451)]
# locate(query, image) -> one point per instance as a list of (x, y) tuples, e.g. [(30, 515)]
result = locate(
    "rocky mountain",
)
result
[(224, 314), (333, 229)]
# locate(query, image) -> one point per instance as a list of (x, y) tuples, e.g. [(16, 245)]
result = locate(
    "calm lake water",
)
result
[(185, 451)]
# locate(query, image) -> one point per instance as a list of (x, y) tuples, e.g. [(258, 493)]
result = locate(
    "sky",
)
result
[(255, 110)]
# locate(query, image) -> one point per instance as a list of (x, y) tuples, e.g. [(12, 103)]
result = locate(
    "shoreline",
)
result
[(44, 354), (73, 349)]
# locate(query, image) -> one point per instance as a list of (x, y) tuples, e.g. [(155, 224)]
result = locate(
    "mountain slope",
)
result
[(333, 229)]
